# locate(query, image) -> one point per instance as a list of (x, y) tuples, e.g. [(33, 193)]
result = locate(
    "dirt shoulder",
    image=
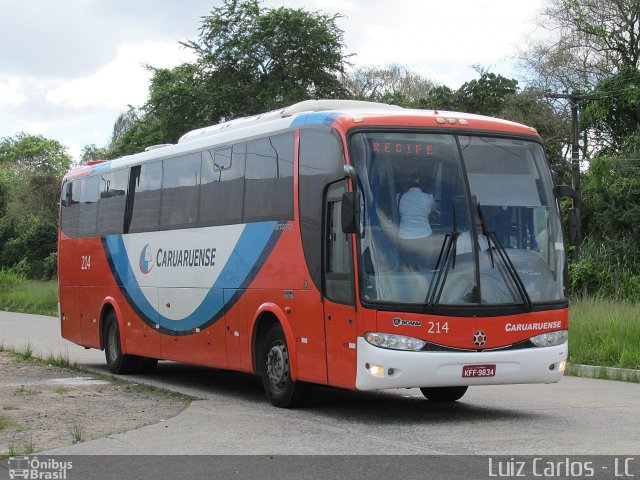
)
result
[(44, 407)]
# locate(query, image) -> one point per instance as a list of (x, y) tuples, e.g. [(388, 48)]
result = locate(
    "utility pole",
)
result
[(574, 99)]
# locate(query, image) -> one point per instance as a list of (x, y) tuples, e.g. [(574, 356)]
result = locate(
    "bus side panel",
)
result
[(139, 338), (89, 303), (285, 282), (233, 332), (70, 324), (308, 327)]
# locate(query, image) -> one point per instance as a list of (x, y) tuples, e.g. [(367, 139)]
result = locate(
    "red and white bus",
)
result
[(272, 245)]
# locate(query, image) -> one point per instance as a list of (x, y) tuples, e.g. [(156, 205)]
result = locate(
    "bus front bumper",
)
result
[(380, 368)]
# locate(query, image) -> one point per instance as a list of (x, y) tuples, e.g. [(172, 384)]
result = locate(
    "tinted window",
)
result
[(269, 179), (113, 196), (180, 188), (144, 190), (339, 276), (89, 194), (321, 162), (69, 208), (222, 189)]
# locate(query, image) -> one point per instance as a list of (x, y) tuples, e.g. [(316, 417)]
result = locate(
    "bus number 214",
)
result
[(437, 327), (86, 262)]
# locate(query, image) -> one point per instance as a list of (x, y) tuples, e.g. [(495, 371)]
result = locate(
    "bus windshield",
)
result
[(456, 220)]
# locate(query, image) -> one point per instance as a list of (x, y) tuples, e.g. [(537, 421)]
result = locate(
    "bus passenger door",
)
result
[(339, 296)]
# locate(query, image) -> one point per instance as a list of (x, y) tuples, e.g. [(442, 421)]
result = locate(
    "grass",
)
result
[(62, 361), (6, 422), (604, 333), (27, 449), (26, 391), (28, 296), (77, 433)]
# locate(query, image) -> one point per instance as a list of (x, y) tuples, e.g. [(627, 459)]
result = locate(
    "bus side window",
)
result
[(222, 187), (180, 191), (111, 206), (144, 197), (268, 192), (339, 266), (68, 208), (88, 207)]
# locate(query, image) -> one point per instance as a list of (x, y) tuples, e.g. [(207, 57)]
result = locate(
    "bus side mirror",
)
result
[(574, 227), (574, 214), (565, 191), (349, 212)]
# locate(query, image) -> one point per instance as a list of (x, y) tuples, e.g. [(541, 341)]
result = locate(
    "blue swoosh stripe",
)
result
[(252, 249), (316, 118)]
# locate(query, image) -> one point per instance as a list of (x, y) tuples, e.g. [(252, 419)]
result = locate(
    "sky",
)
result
[(68, 68)]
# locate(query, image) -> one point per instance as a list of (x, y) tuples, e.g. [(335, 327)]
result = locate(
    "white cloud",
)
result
[(10, 93), (121, 82)]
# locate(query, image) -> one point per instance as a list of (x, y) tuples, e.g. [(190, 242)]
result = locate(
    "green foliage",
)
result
[(604, 332), (611, 198), (393, 84), (92, 153), (607, 269), (31, 168), (34, 154), (249, 60), (486, 95), (30, 296), (615, 117)]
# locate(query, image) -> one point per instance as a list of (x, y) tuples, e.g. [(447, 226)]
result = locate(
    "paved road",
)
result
[(576, 416)]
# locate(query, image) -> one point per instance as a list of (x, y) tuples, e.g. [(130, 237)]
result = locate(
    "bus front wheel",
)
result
[(444, 394), (117, 361), (275, 371)]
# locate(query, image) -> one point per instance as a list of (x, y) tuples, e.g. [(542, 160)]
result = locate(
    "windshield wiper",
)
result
[(504, 256), (446, 261)]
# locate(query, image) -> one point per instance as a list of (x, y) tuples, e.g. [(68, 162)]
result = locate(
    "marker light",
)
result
[(550, 339), (394, 342)]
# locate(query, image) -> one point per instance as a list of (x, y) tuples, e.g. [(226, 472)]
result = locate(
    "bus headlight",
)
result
[(550, 339), (394, 342)]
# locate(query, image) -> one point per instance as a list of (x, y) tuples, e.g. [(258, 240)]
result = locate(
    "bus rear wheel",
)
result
[(117, 361), (444, 394), (275, 371)]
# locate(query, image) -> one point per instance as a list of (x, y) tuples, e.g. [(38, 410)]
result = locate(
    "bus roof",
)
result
[(342, 114)]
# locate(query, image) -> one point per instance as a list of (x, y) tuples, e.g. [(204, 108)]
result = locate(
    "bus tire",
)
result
[(444, 394), (276, 372), (117, 361)]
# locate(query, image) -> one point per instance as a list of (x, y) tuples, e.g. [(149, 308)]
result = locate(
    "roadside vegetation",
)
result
[(18, 294), (604, 332)]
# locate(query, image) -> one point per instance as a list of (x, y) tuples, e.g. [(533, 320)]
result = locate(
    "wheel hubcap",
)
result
[(278, 365)]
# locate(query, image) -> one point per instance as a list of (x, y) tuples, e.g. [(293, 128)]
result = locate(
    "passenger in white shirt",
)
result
[(415, 207)]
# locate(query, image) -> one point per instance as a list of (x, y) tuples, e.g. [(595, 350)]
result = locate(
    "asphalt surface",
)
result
[(231, 416)]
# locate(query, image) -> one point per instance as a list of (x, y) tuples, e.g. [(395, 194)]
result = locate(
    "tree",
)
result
[(34, 154), (91, 153), (614, 119), (593, 39), (486, 95), (393, 84), (249, 60), (31, 168)]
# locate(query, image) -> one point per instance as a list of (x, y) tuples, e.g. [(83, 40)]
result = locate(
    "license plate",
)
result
[(474, 371)]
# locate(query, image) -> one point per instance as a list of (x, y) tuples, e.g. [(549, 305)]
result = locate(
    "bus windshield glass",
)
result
[(430, 236)]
